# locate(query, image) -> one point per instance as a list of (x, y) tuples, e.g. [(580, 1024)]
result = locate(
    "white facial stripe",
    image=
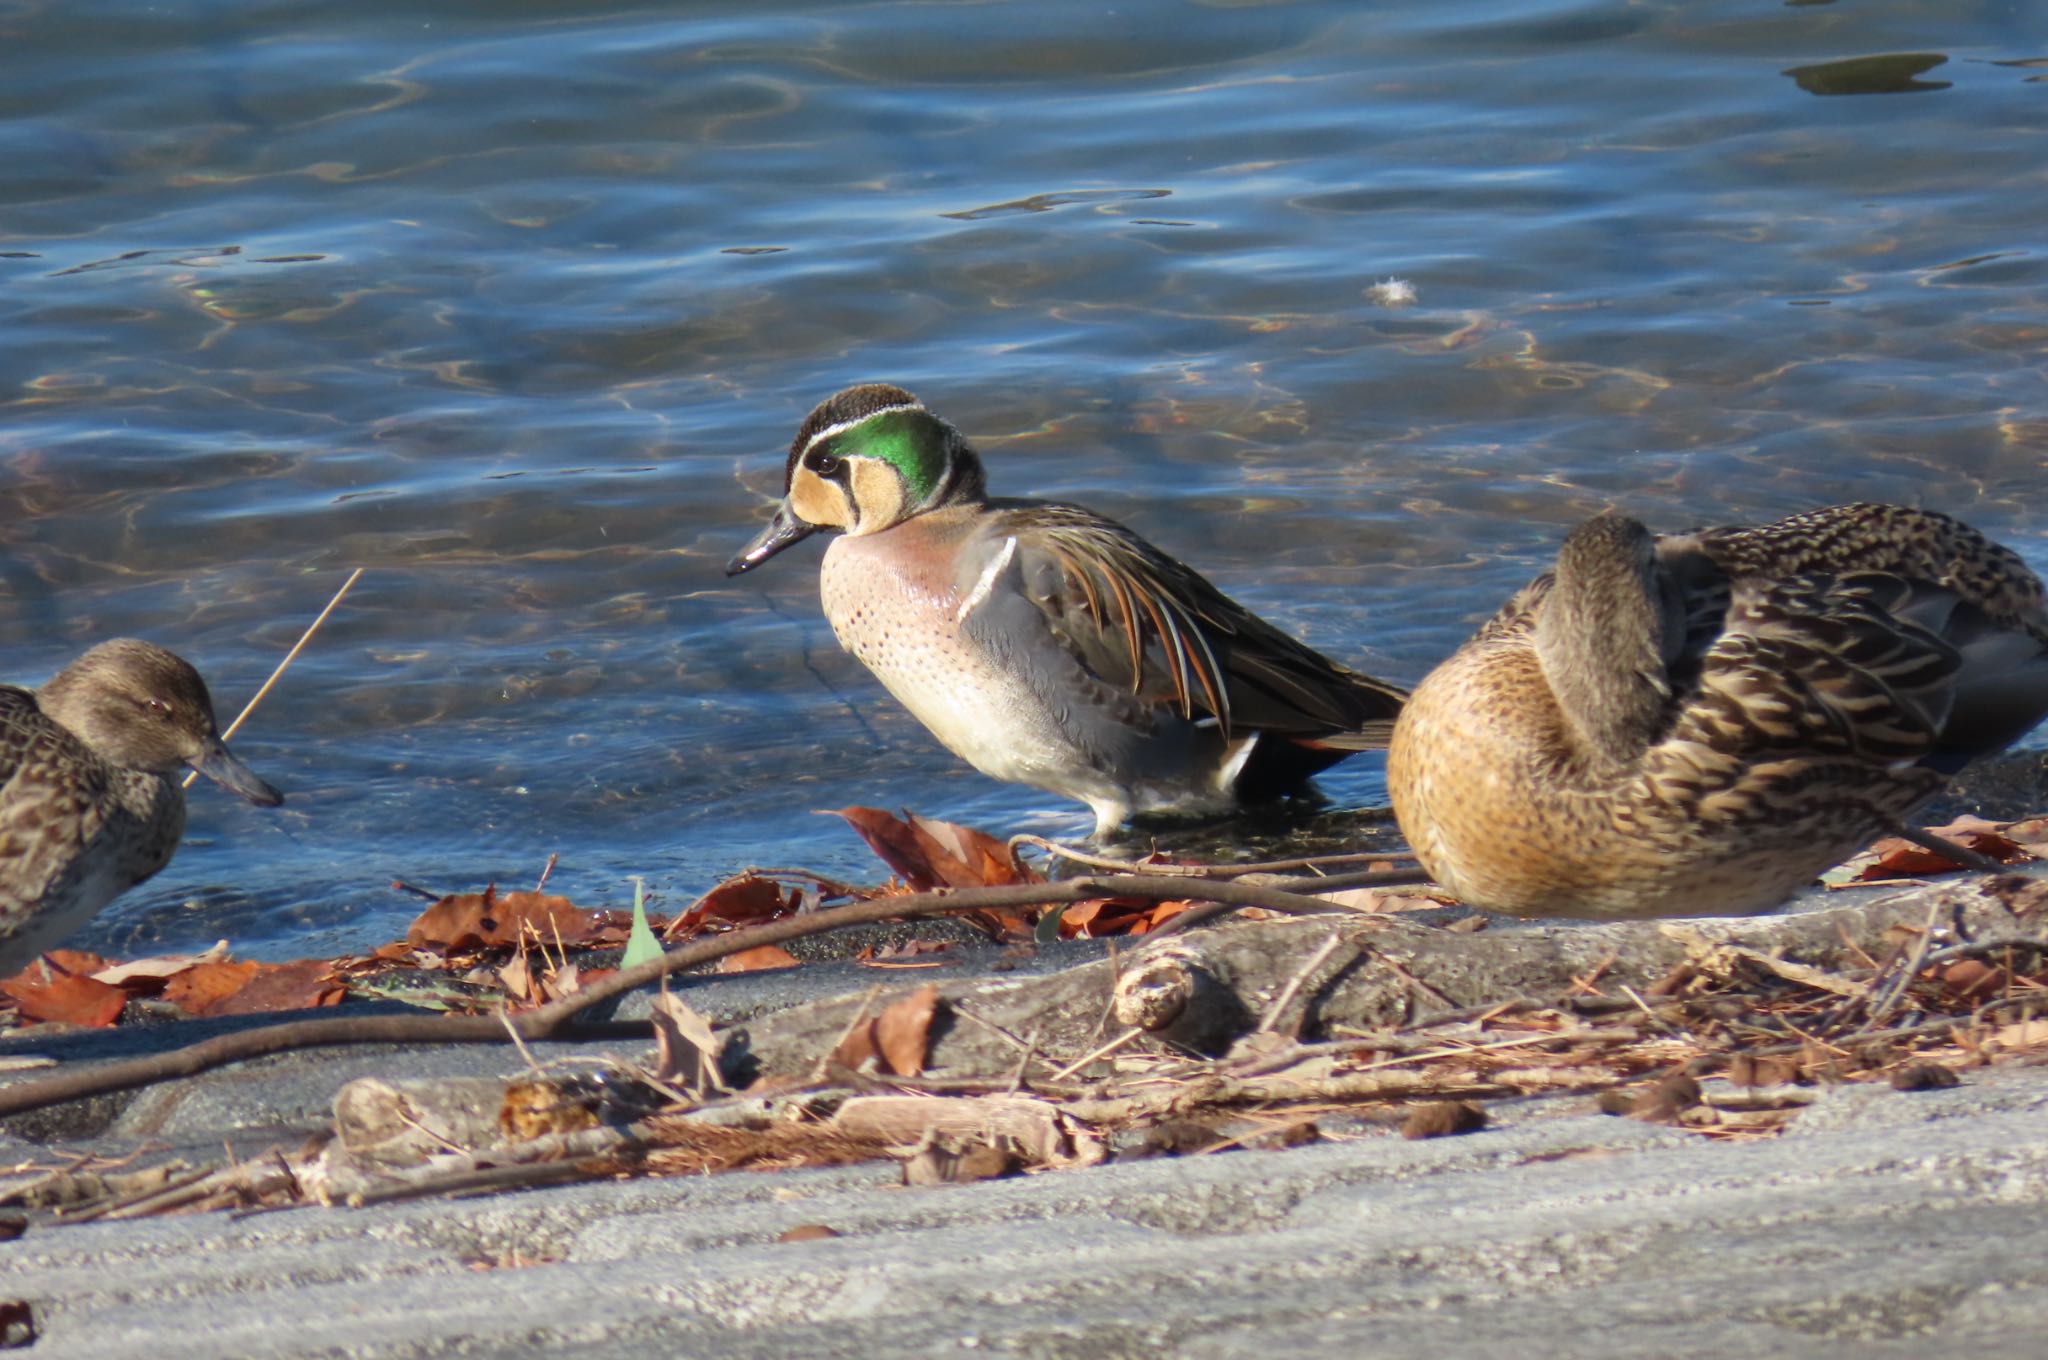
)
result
[(830, 431), (988, 580)]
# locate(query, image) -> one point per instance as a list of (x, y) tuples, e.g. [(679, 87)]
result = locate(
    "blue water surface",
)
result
[(516, 305)]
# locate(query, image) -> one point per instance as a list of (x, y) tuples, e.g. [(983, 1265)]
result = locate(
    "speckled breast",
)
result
[(895, 600)]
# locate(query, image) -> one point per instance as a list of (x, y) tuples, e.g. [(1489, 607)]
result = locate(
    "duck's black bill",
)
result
[(224, 768), (783, 529)]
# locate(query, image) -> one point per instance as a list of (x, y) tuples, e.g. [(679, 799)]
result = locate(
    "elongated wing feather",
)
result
[(1156, 629)]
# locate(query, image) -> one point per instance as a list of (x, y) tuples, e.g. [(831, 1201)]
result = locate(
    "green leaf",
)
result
[(640, 942), (1047, 931)]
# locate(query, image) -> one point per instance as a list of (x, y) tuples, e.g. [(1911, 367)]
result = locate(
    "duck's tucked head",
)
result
[(865, 460), (144, 708), (1608, 628)]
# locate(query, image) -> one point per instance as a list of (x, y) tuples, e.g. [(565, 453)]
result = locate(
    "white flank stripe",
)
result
[(988, 580)]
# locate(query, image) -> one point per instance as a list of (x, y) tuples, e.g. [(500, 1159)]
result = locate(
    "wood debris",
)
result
[(1287, 1030)]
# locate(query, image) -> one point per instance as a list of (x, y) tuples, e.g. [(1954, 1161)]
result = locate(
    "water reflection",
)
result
[(1038, 203), (1893, 74)]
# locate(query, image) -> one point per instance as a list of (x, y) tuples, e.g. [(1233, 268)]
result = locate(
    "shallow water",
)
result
[(516, 306)]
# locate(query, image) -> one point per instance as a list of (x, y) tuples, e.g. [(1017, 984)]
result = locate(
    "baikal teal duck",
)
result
[(1702, 723), (89, 802), (1045, 644)]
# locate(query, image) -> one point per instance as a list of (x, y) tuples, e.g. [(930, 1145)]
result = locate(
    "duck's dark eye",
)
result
[(824, 464), (156, 708)]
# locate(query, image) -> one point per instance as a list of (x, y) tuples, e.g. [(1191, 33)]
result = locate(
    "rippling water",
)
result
[(516, 305)]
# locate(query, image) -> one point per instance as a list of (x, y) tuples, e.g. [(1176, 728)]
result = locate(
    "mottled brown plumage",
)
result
[(88, 804), (1702, 723)]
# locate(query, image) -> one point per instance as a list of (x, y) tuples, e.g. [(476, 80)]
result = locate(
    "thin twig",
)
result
[(1016, 1082), (512, 1032), (1924, 1029), (1655, 1019), (1218, 871), (1103, 1052), (172, 1186), (1329, 883), (962, 1010), (1408, 1049), (1286, 995), (1590, 983), (289, 657), (1971, 950), (1895, 988)]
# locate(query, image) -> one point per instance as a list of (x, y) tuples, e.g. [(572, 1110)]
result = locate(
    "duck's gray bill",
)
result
[(224, 768), (783, 529)]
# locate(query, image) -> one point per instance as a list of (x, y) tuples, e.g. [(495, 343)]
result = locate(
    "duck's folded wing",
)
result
[(1914, 545), (1826, 664), (1156, 630), (1997, 688)]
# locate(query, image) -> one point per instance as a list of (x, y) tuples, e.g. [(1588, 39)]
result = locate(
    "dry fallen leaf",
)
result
[(760, 957), (476, 920), (66, 961), (737, 901), (965, 858), (687, 1048), (517, 978), (1895, 857), (64, 998), (163, 966), (1105, 916), (199, 989), (897, 1039), (927, 853), (254, 988), (1369, 899), (2022, 1035), (903, 1031), (302, 985), (894, 843)]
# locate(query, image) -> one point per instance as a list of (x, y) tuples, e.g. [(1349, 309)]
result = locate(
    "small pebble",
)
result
[(1292, 1135), (1665, 1101), (1442, 1119), (1924, 1076), (808, 1232)]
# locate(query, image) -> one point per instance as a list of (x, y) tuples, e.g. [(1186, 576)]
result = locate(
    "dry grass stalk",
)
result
[(289, 657)]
